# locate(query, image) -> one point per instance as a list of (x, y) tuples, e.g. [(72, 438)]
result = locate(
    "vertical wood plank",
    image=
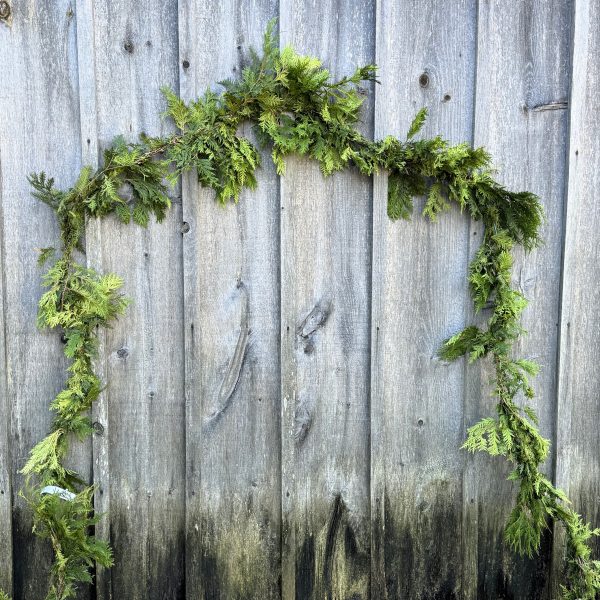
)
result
[(325, 333), (521, 118), (231, 263), (578, 445), (140, 458), (39, 130), (426, 54), (6, 558)]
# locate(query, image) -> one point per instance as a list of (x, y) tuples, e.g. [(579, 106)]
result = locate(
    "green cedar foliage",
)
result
[(295, 109), (66, 523)]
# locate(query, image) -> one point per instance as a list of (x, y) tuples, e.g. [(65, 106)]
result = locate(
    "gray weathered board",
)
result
[(276, 422)]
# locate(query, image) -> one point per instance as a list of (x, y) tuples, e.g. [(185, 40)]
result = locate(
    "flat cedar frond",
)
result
[(417, 123), (44, 190), (67, 523), (46, 457), (296, 108)]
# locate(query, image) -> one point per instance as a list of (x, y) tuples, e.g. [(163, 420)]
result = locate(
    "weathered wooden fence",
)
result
[(277, 423)]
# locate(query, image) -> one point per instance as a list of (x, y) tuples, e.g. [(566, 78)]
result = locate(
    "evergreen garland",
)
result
[(296, 109)]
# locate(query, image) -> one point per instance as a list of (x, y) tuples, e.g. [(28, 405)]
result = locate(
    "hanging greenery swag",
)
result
[(296, 109)]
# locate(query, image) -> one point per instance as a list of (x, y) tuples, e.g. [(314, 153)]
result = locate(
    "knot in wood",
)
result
[(4, 9), (98, 428)]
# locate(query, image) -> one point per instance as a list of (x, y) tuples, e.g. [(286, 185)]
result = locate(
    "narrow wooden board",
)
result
[(578, 443), (39, 130), (521, 118), (420, 298), (140, 456), (231, 315), (325, 335), (6, 475)]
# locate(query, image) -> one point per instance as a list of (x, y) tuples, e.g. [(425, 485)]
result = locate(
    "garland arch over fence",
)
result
[(297, 110)]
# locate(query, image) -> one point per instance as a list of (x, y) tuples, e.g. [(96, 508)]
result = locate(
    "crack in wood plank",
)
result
[(559, 105), (234, 369)]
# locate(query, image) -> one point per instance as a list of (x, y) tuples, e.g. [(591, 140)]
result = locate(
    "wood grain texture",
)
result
[(419, 299), (140, 456), (39, 130), (578, 444), (522, 71), (6, 475), (231, 261), (325, 335)]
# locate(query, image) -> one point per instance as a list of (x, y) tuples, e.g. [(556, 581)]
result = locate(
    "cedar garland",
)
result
[(296, 109)]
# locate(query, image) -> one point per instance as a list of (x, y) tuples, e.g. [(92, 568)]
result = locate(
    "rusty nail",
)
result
[(4, 9)]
